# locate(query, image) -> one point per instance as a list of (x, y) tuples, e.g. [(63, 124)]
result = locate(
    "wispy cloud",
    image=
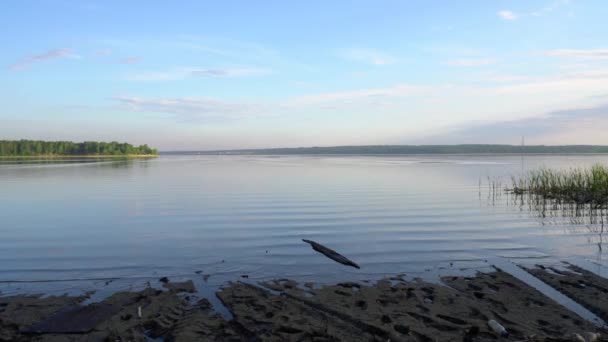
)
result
[(191, 109), (103, 52), (568, 74), (504, 78), (231, 72), (183, 73), (507, 15), (577, 125), (369, 56), (471, 62), (26, 62), (130, 60), (399, 90), (237, 52), (550, 7), (590, 54), (228, 51)]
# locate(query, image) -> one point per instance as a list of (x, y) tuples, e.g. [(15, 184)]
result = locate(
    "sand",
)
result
[(392, 309), (584, 287)]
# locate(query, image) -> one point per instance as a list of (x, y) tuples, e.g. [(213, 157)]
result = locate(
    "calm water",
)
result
[(233, 215)]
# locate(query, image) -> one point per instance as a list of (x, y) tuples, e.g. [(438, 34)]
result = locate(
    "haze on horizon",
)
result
[(191, 75)]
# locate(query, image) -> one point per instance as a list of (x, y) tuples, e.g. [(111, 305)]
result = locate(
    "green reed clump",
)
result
[(581, 185)]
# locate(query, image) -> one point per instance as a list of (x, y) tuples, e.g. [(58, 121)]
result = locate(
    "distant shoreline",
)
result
[(70, 149), (481, 154), (468, 149)]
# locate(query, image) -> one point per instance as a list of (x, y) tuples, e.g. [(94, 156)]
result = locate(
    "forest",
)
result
[(68, 148)]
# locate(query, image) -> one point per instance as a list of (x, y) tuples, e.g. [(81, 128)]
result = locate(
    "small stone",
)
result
[(577, 338), (164, 280), (590, 337)]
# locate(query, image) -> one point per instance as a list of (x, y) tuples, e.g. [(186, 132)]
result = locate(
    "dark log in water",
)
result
[(330, 253)]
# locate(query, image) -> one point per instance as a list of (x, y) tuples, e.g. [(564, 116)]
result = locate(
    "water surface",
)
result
[(234, 215)]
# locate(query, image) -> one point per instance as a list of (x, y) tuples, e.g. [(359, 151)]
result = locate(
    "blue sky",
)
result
[(232, 74)]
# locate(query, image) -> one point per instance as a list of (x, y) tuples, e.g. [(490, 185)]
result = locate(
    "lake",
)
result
[(72, 224)]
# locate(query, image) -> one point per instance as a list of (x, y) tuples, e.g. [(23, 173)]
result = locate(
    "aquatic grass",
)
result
[(579, 185)]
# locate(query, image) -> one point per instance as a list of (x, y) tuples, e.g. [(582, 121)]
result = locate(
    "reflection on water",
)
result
[(586, 219), (233, 215), (22, 163)]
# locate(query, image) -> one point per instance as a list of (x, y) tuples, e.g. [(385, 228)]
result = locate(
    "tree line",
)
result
[(43, 148), (431, 149)]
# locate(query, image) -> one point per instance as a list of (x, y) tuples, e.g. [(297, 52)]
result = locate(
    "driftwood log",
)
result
[(330, 253)]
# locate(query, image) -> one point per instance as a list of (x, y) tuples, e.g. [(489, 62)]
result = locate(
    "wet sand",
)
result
[(392, 309), (584, 287)]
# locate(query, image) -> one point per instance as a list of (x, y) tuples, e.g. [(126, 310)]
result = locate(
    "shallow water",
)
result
[(232, 215)]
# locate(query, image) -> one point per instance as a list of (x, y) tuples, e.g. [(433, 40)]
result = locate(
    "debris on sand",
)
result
[(330, 253), (498, 328), (582, 286)]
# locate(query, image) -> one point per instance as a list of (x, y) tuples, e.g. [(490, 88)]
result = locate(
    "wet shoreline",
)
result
[(395, 309)]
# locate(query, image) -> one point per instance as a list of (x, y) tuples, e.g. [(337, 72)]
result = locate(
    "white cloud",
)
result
[(26, 62), (507, 15), (389, 114), (433, 106), (184, 73), (369, 56), (589, 54), (471, 62), (191, 109)]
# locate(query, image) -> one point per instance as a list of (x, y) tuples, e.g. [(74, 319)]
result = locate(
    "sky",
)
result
[(204, 75)]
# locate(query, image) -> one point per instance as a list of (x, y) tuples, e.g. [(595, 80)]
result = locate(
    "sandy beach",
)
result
[(392, 309)]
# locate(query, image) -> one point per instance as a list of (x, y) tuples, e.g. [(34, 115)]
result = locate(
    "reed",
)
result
[(579, 185)]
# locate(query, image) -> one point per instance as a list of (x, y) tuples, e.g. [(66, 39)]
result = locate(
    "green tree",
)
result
[(39, 147)]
